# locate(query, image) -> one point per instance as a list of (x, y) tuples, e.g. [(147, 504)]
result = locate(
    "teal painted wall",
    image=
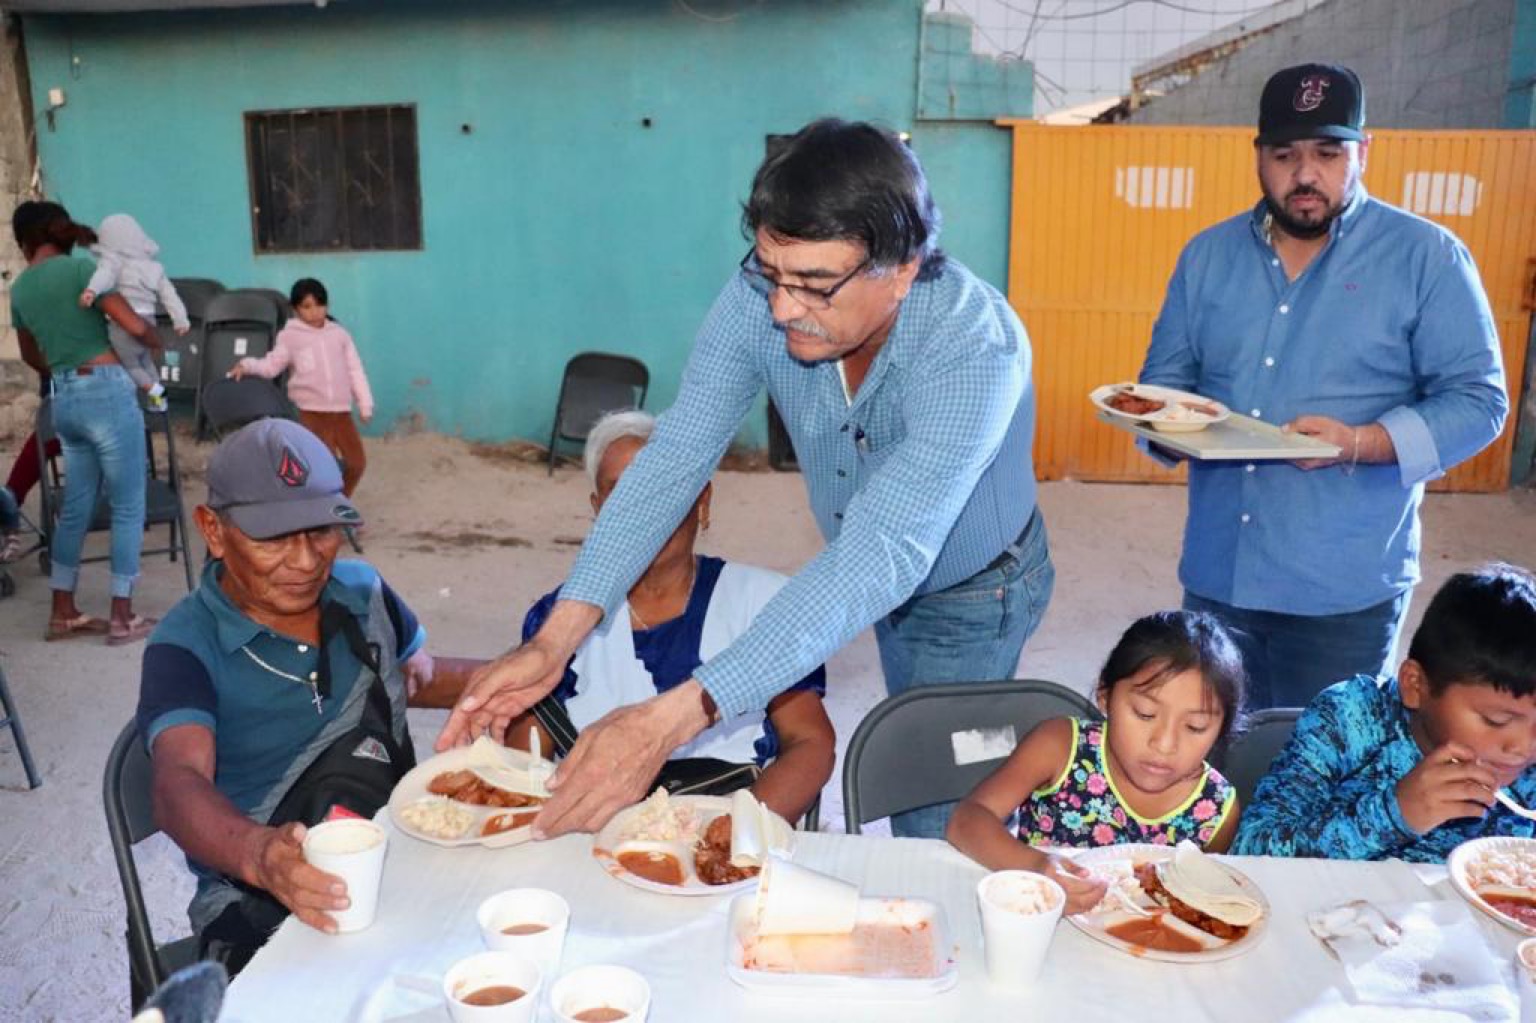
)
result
[(1519, 111), (559, 224)]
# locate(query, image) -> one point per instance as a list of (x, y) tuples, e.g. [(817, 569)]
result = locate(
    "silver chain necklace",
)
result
[(693, 576), (313, 681)]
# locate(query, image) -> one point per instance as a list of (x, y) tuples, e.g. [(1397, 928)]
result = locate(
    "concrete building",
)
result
[(508, 183)]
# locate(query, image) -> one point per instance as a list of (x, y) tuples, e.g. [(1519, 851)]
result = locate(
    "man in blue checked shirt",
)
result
[(904, 381), (1345, 319)]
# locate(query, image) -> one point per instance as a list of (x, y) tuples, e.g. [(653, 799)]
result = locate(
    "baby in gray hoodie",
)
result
[(125, 262)]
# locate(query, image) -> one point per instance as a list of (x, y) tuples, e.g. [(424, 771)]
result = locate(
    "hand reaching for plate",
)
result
[(1084, 888)]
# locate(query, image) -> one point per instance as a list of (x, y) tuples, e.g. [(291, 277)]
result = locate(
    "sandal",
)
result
[(131, 631), (71, 628)]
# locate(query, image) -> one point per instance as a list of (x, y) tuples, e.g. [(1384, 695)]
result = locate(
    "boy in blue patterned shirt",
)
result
[(1408, 767)]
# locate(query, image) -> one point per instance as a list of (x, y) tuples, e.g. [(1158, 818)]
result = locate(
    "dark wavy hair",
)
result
[(1177, 641), (848, 181), (308, 287), (1480, 629), (35, 224)]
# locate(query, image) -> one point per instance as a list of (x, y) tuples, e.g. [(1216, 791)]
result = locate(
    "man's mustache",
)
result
[(810, 327), (1302, 190)]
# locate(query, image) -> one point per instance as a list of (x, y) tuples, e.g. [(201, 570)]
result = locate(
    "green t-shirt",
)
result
[(45, 302)]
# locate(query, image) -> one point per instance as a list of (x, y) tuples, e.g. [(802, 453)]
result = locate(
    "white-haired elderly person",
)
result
[(685, 608)]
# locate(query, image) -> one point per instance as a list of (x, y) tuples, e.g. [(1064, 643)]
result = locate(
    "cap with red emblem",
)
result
[(274, 477), (1312, 101)]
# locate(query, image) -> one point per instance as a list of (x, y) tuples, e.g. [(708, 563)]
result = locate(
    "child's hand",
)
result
[(182, 330), (238, 372), (1084, 889), (366, 417), (1447, 784), (87, 298)]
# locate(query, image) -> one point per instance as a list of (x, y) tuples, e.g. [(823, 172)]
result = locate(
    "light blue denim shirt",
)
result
[(1389, 324), (917, 485)]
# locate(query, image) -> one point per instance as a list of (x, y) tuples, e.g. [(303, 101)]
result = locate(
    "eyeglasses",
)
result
[(811, 298)]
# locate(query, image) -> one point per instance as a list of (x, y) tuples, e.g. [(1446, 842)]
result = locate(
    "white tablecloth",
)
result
[(427, 909)]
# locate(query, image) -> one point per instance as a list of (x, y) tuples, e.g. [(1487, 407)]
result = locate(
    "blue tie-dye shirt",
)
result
[(1332, 791)]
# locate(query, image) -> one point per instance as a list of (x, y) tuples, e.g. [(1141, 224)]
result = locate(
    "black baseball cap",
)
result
[(273, 477), (1312, 101)]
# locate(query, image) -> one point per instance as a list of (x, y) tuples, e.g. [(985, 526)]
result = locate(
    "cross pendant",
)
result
[(316, 690)]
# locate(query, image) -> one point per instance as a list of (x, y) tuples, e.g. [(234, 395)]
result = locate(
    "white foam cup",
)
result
[(792, 899), (1019, 911), (492, 969), (592, 989), (1525, 979), (353, 850), (523, 907)]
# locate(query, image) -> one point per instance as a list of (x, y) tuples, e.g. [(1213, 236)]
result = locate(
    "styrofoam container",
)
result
[(906, 912)]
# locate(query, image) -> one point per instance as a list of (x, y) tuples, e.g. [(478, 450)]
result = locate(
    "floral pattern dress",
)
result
[(1083, 809)]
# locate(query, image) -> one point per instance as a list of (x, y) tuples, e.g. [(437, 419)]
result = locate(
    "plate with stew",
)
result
[(677, 845), (1135, 922), (1498, 877)]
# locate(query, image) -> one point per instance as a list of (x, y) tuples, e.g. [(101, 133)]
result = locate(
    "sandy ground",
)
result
[(470, 536)]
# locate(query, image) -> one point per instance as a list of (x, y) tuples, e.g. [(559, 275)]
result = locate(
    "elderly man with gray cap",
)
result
[(274, 695), (1341, 317)]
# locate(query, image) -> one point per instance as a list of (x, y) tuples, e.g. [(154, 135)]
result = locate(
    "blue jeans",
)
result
[(971, 632), (1292, 658), (101, 430)]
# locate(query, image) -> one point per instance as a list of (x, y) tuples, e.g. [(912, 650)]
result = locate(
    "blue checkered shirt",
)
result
[(918, 484), (1388, 324)]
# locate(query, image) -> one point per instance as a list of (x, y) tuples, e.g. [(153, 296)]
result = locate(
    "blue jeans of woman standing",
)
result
[(96, 416)]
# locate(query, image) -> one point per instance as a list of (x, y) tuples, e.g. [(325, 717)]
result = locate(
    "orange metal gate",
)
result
[(1100, 214)]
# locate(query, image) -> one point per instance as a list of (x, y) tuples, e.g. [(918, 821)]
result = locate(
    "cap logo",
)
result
[(1309, 94), (292, 470)]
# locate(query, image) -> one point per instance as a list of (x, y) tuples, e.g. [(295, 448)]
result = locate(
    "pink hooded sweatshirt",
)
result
[(326, 373)]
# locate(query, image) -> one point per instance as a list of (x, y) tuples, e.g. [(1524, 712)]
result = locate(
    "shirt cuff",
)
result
[(1418, 460), (730, 699), (586, 590), (1394, 813)]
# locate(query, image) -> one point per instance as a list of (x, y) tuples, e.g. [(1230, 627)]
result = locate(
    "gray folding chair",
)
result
[(933, 744), (130, 820), (11, 718), (239, 324), (595, 383), (230, 404), (1250, 752), (162, 491), (181, 355)]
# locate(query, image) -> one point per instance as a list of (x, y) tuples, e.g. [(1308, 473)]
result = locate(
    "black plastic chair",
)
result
[(12, 719), (230, 404), (594, 384), (1250, 752), (181, 355), (905, 753), (239, 324), (130, 820), (162, 492)]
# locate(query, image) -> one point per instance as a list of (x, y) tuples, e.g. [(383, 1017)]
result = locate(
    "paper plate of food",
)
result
[(1173, 904), (1163, 408), (1498, 877), (481, 794), (692, 845), (806, 933)]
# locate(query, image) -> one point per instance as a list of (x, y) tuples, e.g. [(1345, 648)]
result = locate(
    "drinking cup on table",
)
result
[(353, 850), (792, 899), (529, 921), (1019, 911), (601, 994), (1525, 979), (493, 987)]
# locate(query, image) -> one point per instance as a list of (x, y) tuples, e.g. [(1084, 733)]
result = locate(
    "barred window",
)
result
[(334, 180)]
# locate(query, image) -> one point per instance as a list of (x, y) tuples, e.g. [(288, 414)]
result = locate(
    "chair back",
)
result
[(196, 293), (130, 820), (1250, 752), (244, 305), (596, 383), (181, 355), (239, 324), (934, 743), (230, 404)]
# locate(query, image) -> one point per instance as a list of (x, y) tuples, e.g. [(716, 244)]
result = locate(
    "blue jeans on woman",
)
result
[(101, 430), (971, 632)]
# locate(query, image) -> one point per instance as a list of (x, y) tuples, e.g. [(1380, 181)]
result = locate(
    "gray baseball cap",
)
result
[(274, 477)]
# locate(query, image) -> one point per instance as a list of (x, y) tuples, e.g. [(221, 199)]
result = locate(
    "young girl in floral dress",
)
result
[(1169, 692)]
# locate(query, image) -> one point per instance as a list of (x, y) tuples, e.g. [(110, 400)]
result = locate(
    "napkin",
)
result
[(1415, 954), (1195, 879)]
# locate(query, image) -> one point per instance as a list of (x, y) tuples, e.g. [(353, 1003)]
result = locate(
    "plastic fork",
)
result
[(1508, 802)]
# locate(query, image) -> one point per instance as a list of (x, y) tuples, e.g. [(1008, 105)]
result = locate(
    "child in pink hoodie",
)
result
[(325, 375)]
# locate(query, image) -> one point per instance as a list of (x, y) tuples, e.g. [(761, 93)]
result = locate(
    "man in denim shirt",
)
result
[(904, 381), (1348, 320)]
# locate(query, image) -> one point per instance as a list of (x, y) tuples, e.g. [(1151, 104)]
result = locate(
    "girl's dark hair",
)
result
[(308, 287), (848, 181), (35, 224), (1480, 629), (1177, 641)]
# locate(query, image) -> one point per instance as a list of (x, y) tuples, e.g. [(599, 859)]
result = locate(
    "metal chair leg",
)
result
[(13, 721)]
